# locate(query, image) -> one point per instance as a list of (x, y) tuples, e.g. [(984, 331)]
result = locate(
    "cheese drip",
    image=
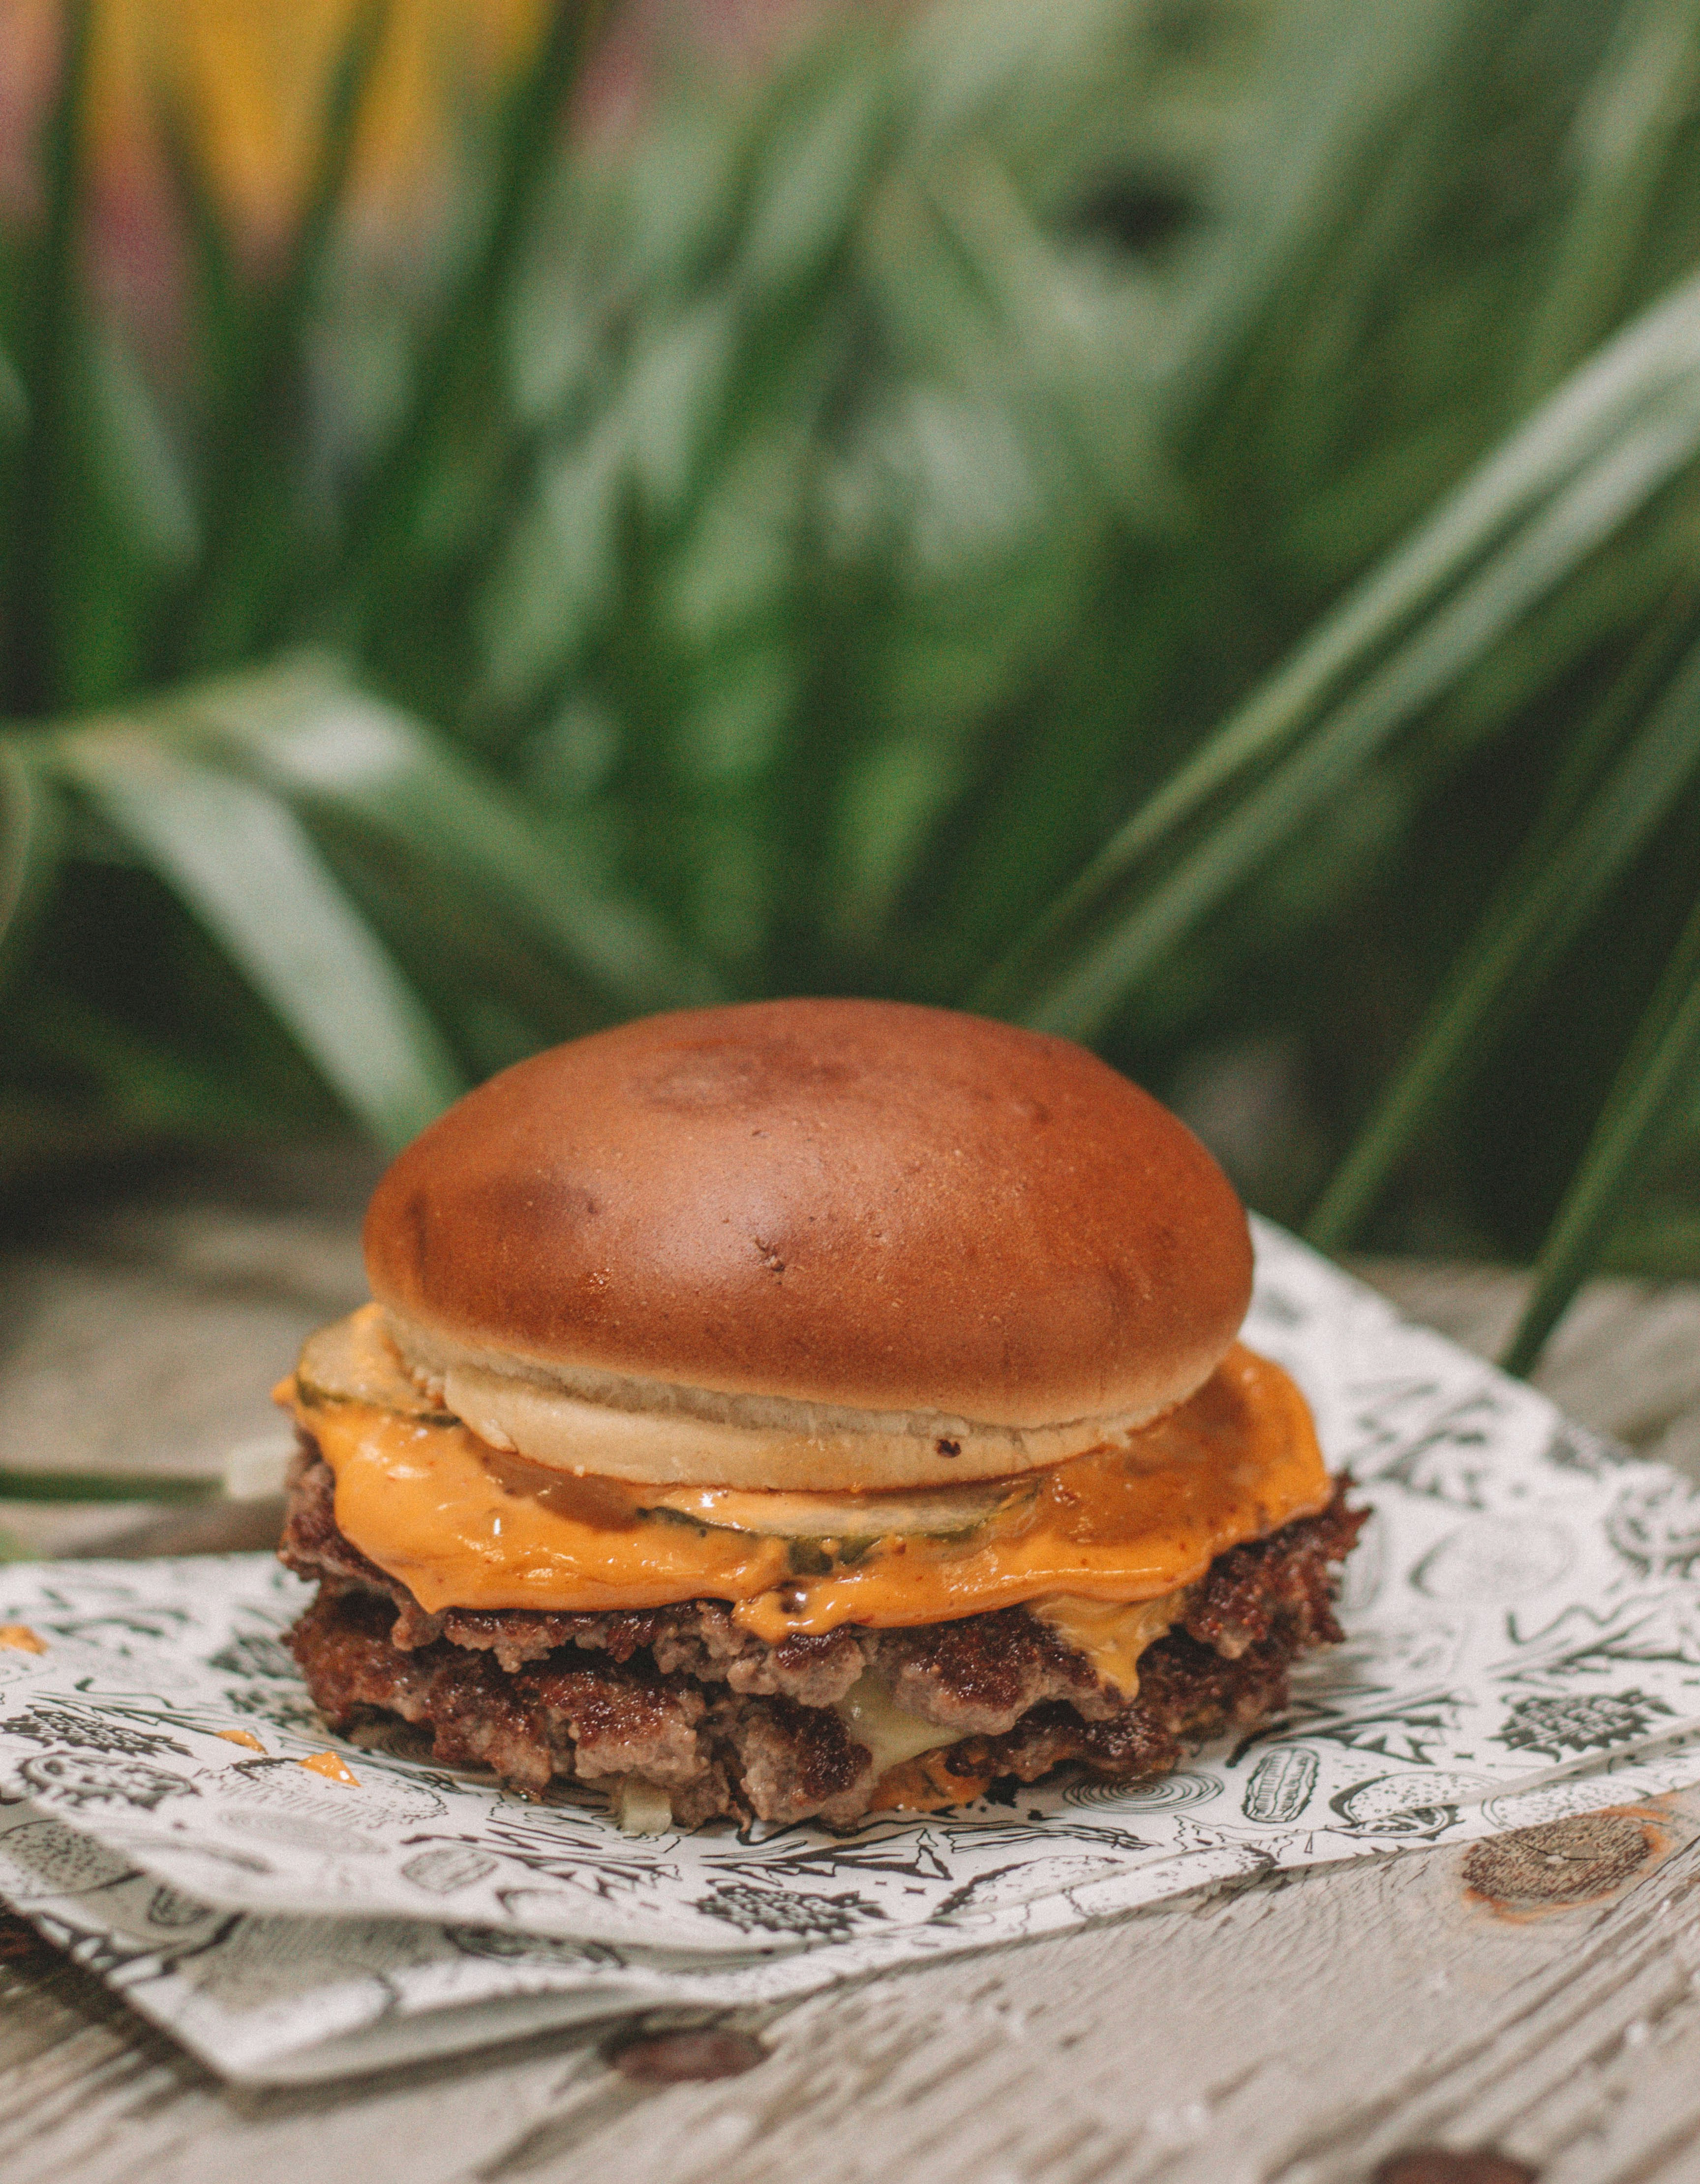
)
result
[(463, 1525), (1111, 1634)]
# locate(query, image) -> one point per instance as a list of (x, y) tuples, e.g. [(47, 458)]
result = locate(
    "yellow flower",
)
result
[(253, 77)]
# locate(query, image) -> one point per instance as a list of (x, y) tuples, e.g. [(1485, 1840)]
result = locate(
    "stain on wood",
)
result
[(1437, 2164), (19, 1942), (672, 2059), (1562, 1863)]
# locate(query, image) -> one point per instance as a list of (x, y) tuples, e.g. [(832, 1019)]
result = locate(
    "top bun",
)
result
[(808, 1243)]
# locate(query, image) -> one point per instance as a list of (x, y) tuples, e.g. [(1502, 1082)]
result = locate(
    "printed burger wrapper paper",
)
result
[(1524, 1642)]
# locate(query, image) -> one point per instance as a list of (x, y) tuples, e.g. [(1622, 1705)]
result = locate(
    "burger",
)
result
[(804, 1408)]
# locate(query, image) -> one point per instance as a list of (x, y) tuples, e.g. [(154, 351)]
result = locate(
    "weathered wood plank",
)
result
[(146, 1334)]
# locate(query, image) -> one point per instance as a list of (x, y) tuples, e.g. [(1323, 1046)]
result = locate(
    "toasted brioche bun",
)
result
[(810, 1246)]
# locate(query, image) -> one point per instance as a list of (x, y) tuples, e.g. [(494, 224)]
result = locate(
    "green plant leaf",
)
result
[(31, 835), (309, 736), (137, 1090), (101, 518), (810, 184), (34, 571), (345, 109), (140, 476), (1660, 1243), (124, 528), (1112, 420), (1655, 1083), (256, 537), (15, 407), (1544, 902), (243, 864), (1434, 655), (217, 283), (1612, 435), (1630, 119), (1333, 87), (385, 519), (176, 1489)]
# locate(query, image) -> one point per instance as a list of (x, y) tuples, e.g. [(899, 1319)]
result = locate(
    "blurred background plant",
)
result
[(1174, 520)]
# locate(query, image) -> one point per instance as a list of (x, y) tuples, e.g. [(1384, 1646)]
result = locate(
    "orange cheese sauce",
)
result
[(462, 1525)]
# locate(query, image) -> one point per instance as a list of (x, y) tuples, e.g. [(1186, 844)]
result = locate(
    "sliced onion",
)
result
[(890, 1732), (641, 1807), (355, 1361)]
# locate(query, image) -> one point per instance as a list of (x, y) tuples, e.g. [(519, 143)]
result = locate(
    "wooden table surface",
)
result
[(1524, 2007)]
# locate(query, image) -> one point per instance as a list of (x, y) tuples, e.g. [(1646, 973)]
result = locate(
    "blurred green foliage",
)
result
[(1173, 520)]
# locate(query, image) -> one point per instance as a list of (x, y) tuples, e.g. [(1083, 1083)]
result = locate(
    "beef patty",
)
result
[(682, 1698)]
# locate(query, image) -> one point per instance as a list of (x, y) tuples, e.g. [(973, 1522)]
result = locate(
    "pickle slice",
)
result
[(354, 1360), (932, 1513)]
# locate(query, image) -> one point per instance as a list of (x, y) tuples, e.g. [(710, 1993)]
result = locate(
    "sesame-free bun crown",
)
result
[(808, 1243)]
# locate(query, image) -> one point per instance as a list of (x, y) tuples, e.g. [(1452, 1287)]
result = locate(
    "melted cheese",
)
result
[(891, 1733), (332, 1766), (1111, 1635), (925, 1785), (463, 1525)]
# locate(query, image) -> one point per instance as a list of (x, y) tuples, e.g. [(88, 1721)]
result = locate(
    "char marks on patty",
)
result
[(725, 1723)]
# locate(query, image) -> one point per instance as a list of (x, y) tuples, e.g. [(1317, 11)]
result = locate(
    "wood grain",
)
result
[(1532, 2004), (1625, 1359), (145, 1333)]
